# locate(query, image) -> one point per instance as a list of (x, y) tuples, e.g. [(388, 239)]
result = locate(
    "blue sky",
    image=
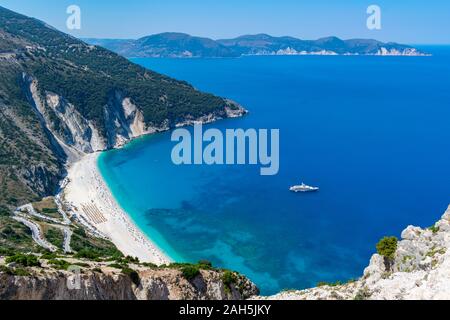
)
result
[(407, 21)]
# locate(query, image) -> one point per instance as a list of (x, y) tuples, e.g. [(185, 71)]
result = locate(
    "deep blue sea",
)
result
[(372, 132)]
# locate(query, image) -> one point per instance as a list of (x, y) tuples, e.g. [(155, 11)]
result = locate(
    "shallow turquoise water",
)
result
[(372, 132)]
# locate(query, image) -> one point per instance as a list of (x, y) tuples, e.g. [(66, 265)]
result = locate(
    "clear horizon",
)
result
[(411, 22)]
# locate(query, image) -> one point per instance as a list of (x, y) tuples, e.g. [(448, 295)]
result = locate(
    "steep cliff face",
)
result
[(419, 270), (124, 121), (165, 284), (75, 134)]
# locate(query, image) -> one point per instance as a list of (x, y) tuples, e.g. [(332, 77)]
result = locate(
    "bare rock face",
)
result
[(75, 134), (420, 271), (161, 284)]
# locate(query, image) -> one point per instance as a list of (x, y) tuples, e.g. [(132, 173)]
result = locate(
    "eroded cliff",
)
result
[(101, 281)]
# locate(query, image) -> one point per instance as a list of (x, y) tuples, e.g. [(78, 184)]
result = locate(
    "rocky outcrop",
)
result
[(383, 51), (57, 131), (77, 135), (420, 270), (75, 130), (106, 284), (124, 121)]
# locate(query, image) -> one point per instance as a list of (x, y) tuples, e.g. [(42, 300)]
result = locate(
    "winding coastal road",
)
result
[(63, 214), (67, 238), (36, 233), (33, 212)]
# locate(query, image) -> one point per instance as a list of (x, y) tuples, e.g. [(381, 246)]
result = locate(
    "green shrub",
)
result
[(149, 265), (14, 272), (82, 264), (126, 260), (434, 229), (49, 256), (205, 264), (362, 294), (80, 231), (190, 271), (14, 234), (50, 210), (87, 254), (55, 237), (59, 264), (24, 260), (4, 269), (4, 211), (134, 276), (117, 265), (229, 278), (387, 247), (331, 284), (6, 252), (131, 259), (93, 248)]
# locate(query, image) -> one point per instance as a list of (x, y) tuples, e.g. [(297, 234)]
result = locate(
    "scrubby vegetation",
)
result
[(335, 283), (49, 256), (4, 212), (59, 264), (190, 271), (15, 237), (149, 265), (434, 228), (134, 276), (331, 284), (21, 272), (229, 278), (47, 206), (25, 260), (362, 294), (55, 236), (387, 247), (92, 248)]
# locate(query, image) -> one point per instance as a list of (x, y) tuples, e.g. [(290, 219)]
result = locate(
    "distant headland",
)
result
[(181, 45)]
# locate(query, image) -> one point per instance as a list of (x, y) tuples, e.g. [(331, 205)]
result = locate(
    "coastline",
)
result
[(90, 199)]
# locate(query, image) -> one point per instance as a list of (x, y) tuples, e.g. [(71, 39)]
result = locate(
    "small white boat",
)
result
[(303, 188)]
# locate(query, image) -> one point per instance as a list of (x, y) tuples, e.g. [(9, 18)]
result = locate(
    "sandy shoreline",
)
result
[(90, 198)]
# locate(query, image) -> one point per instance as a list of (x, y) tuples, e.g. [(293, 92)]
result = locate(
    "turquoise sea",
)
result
[(372, 132)]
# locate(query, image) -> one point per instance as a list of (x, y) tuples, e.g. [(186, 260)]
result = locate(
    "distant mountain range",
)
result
[(181, 45)]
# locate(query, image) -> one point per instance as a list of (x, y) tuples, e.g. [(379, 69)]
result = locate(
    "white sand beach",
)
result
[(90, 198)]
